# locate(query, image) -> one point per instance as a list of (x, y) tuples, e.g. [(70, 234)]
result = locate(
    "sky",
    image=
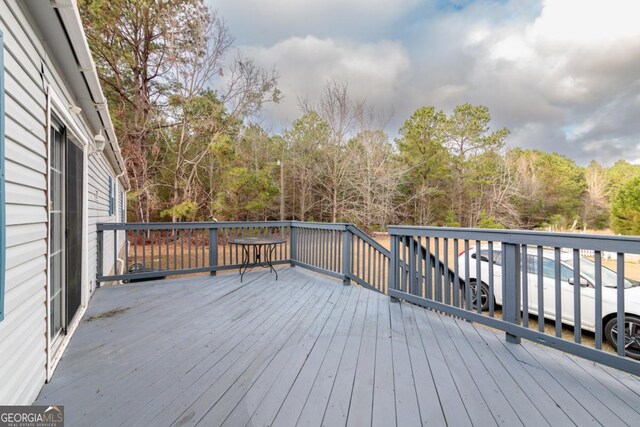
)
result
[(561, 75)]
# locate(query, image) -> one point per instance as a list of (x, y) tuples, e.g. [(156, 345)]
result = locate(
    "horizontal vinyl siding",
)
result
[(99, 172), (23, 331)]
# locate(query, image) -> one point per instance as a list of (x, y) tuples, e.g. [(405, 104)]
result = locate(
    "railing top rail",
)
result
[(598, 242), (320, 225), (187, 225), (364, 236), (219, 224)]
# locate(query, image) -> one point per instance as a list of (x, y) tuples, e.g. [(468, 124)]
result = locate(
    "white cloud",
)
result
[(267, 21), (563, 75), (573, 69), (372, 70)]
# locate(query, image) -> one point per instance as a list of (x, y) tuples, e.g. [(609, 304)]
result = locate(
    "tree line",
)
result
[(185, 103)]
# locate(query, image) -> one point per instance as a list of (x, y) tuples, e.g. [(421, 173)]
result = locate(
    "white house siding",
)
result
[(23, 346), (99, 172)]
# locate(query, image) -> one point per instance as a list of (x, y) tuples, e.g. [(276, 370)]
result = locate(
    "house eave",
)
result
[(61, 27)]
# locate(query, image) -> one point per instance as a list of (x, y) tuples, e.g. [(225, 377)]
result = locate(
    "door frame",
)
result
[(56, 107)]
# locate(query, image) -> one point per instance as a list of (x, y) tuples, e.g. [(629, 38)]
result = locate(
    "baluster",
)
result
[(126, 251), (525, 287), (412, 266), (419, 290), (429, 271), (370, 262), (100, 260), (598, 300), (393, 268), (438, 272), (213, 250), (456, 273), (135, 247), (558, 292), (467, 279), (540, 289), (491, 281), (152, 245), (577, 321), (620, 294), (445, 270), (115, 251), (166, 249)]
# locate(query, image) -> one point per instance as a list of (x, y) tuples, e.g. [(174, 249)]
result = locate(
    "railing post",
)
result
[(512, 286), (100, 240), (393, 267), (346, 256), (213, 250), (294, 245)]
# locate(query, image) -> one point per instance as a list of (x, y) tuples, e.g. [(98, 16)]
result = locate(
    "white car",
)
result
[(587, 292)]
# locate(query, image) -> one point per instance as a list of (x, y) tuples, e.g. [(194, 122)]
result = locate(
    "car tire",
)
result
[(631, 332), (484, 295)]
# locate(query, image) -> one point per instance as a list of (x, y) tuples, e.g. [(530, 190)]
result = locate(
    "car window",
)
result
[(532, 264), (549, 270), (484, 254)]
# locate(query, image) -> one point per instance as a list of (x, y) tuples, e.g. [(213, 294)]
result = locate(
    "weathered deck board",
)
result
[(337, 408), (286, 365), (384, 407), (316, 404), (407, 410), (361, 403), (164, 342), (453, 407), (306, 350), (197, 362), (426, 391), (268, 408)]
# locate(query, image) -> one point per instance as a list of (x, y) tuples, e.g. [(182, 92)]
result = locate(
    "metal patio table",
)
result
[(263, 248)]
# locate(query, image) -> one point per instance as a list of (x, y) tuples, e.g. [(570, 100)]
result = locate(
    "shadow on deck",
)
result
[(307, 350)]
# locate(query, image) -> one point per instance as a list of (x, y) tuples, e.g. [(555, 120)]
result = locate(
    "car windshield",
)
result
[(609, 277)]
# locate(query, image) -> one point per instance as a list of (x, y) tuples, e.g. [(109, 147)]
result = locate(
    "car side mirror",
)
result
[(583, 282)]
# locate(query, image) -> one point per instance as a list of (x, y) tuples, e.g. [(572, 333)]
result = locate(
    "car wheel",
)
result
[(631, 335), (484, 296)]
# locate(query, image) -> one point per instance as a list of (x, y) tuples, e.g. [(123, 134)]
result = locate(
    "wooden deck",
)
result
[(306, 350)]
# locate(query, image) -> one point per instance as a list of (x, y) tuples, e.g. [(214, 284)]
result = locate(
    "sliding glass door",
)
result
[(56, 231), (65, 230)]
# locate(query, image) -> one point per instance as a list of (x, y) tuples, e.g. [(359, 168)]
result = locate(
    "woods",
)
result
[(186, 107)]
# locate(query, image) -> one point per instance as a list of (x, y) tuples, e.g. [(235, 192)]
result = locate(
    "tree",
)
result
[(303, 142), (158, 61), (425, 161), (595, 203), (375, 186), (340, 113), (550, 188), (618, 175), (246, 194), (135, 44), (472, 145), (625, 209)]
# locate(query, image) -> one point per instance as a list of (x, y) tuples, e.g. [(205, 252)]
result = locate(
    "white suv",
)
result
[(587, 292)]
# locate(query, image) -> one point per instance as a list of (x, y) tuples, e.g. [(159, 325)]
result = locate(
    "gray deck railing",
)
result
[(524, 277), (154, 250)]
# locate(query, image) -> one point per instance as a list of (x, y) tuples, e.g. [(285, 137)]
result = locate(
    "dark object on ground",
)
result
[(140, 268)]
